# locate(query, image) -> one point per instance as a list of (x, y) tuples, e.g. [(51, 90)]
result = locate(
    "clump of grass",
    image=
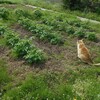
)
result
[(52, 85), (4, 77), (85, 89)]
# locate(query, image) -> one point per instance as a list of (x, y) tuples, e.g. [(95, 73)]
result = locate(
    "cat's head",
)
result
[(80, 41)]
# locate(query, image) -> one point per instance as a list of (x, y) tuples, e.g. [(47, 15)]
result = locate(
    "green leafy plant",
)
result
[(34, 56), (62, 26), (23, 13), (55, 38), (4, 13), (2, 30), (70, 30), (11, 38), (21, 48), (19, 12), (91, 37), (37, 14), (25, 22), (80, 33), (41, 31)]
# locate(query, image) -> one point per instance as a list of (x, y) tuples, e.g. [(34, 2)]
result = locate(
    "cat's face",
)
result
[(80, 41)]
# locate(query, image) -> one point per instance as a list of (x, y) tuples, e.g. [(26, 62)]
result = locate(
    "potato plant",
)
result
[(23, 48), (26, 50), (4, 13), (41, 31), (80, 33), (2, 30), (23, 13), (50, 21), (34, 56), (43, 28), (11, 38), (70, 30), (37, 14), (91, 37)]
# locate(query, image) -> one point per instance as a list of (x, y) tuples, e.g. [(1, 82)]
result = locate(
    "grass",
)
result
[(57, 6), (2, 42), (40, 3), (4, 76), (88, 15), (78, 85)]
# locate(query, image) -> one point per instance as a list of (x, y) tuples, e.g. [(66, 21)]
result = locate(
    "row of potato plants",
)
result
[(22, 48), (71, 29), (41, 31), (59, 22), (75, 28)]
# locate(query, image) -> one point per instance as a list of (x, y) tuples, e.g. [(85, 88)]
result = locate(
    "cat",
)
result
[(83, 52)]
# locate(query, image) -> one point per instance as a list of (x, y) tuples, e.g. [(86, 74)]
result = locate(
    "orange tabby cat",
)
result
[(83, 52)]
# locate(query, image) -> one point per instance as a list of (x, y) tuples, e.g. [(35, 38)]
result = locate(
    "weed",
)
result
[(23, 13)]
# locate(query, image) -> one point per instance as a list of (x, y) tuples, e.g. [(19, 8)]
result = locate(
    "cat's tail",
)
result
[(98, 64)]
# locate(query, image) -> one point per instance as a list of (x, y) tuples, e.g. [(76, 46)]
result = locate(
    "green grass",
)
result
[(4, 77), (81, 84), (2, 41), (40, 3), (88, 15), (57, 6)]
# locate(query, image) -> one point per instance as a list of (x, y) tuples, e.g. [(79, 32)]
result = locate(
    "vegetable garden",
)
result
[(39, 48)]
